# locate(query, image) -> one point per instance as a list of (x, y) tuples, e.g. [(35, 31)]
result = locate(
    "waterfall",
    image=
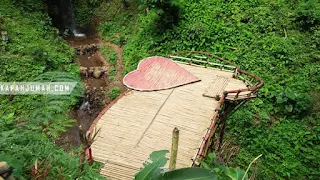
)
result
[(68, 17), (72, 18)]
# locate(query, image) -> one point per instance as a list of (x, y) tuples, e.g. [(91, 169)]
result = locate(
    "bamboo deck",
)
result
[(142, 122)]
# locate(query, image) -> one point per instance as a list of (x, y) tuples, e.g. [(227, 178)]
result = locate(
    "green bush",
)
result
[(118, 22), (110, 54), (21, 148), (34, 48), (168, 13), (30, 5), (263, 37), (112, 73), (114, 93), (293, 103), (84, 11), (308, 14), (289, 148), (30, 123)]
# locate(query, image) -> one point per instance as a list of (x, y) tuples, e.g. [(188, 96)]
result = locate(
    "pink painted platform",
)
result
[(158, 73)]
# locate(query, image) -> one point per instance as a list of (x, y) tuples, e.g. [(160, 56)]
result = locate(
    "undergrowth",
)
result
[(29, 124), (111, 56), (114, 93), (118, 22), (279, 41)]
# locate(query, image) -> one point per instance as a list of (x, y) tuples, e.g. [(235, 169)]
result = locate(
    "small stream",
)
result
[(96, 91), (93, 69)]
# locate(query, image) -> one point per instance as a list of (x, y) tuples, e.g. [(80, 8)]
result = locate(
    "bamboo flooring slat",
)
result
[(142, 122)]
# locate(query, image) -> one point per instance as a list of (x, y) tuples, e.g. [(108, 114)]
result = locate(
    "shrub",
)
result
[(168, 12), (84, 12), (260, 36), (114, 93), (293, 103), (28, 124), (110, 54), (112, 73), (308, 14)]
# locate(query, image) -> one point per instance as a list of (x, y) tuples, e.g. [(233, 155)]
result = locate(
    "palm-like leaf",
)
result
[(49, 114)]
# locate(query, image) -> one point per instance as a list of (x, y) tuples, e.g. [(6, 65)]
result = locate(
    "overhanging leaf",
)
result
[(235, 173), (152, 169), (193, 173)]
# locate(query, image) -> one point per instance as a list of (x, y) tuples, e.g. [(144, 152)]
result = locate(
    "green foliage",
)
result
[(277, 40), (30, 5), (167, 13), (110, 55), (151, 170), (189, 174), (308, 14), (293, 102), (113, 58), (22, 148), (29, 123), (117, 22), (112, 73), (34, 48), (290, 147), (85, 11), (223, 171), (114, 93), (212, 170)]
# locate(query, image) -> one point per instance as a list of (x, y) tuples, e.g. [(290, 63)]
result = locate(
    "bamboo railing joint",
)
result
[(237, 95), (225, 93), (206, 65)]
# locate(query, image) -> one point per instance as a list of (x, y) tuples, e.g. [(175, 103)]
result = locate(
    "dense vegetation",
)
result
[(278, 40), (29, 124)]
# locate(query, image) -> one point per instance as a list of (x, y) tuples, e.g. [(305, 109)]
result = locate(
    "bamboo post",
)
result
[(207, 62), (174, 149)]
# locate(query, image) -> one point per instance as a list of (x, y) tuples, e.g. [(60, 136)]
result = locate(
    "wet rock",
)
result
[(86, 49), (90, 71), (103, 69), (97, 73), (84, 71)]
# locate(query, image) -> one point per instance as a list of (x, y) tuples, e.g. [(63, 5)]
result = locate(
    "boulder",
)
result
[(84, 71), (97, 73), (103, 69), (90, 71)]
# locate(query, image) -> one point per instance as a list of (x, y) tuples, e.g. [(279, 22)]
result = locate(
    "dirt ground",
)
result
[(96, 92)]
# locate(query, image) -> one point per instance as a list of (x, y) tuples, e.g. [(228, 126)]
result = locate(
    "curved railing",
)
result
[(212, 61)]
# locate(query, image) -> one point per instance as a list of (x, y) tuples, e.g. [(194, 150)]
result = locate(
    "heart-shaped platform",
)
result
[(158, 73)]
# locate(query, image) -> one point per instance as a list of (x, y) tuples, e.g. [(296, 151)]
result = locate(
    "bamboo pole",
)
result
[(174, 149)]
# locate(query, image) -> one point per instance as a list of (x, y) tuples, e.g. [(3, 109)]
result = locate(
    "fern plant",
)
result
[(49, 114)]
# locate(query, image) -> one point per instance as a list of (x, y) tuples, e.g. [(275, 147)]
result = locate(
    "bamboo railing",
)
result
[(208, 60)]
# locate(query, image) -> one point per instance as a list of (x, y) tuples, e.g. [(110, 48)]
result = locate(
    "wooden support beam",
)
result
[(174, 149)]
